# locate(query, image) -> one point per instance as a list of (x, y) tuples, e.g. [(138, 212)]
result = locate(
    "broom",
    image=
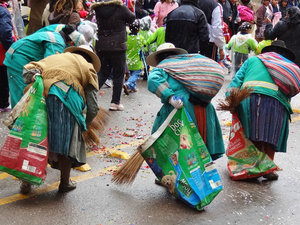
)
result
[(235, 97), (128, 171), (91, 135)]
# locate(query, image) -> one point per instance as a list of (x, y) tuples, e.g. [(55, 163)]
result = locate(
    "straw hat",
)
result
[(88, 50), (280, 48), (166, 47)]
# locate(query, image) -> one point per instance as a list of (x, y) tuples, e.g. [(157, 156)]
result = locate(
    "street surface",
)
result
[(97, 201)]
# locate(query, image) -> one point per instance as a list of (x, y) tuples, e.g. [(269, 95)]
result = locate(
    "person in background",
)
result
[(227, 11), (162, 9), (64, 12), (234, 24), (174, 94), (264, 16), (149, 4), (187, 27), (35, 47), (292, 3), (214, 17), (157, 37), (241, 44), (288, 30), (6, 40), (266, 42), (140, 12), (276, 12), (36, 11), (283, 7), (135, 42), (68, 92), (112, 17)]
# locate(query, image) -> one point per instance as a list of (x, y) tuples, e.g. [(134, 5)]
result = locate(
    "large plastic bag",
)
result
[(244, 159), (179, 158), (25, 151)]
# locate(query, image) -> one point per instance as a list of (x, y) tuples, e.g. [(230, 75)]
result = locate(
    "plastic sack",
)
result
[(179, 158), (244, 159), (25, 151)]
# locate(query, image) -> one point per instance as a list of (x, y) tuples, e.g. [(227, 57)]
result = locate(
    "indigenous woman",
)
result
[(174, 94), (70, 86), (265, 114)]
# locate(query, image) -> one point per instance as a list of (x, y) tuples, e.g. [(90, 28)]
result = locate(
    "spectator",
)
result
[(187, 27), (36, 10), (112, 17), (162, 9), (288, 30), (283, 7), (214, 17), (135, 42), (264, 16)]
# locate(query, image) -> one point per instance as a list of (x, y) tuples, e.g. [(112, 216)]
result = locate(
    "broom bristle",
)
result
[(91, 135), (234, 99), (128, 171)]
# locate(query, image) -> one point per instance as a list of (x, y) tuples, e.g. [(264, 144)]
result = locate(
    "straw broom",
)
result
[(128, 171), (234, 99), (91, 135)]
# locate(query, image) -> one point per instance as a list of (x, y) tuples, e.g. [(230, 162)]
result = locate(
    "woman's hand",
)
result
[(176, 102)]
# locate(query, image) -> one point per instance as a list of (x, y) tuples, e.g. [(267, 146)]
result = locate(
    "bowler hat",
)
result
[(280, 48)]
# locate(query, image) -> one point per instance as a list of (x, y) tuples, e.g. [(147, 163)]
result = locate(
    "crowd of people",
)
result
[(78, 45)]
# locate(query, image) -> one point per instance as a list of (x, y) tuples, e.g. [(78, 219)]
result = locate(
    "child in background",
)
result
[(266, 42), (241, 44), (134, 44)]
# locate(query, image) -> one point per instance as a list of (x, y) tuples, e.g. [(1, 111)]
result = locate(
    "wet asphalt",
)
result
[(96, 200)]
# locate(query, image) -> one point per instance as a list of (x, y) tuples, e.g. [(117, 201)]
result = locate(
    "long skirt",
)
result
[(265, 119), (61, 126)]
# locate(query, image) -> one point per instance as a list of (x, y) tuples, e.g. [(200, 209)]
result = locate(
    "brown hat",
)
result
[(280, 48), (165, 47), (88, 50)]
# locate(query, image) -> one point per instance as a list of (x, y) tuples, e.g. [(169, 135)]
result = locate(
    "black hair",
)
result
[(160, 57), (84, 55)]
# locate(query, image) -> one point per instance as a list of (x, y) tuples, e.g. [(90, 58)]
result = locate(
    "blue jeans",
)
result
[(134, 76)]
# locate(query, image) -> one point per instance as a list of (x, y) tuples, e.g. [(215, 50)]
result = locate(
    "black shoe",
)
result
[(271, 176), (25, 187), (63, 187), (126, 89), (158, 182)]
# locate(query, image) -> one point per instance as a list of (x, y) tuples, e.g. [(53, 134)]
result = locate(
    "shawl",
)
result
[(201, 76), (73, 69), (284, 72)]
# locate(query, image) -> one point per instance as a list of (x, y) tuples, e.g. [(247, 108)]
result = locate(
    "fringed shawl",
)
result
[(73, 69)]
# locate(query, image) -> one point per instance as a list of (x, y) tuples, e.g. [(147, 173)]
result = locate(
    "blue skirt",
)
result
[(60, 126), (265, 119)]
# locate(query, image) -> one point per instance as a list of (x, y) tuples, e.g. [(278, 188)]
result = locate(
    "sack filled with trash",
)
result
[(177, 155)]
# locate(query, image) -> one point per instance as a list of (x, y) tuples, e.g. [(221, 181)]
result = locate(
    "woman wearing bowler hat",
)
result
[(266, 112)]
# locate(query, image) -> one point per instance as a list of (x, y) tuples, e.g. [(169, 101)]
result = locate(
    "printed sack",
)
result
[(179, 158), (25, 151), (244, 159)]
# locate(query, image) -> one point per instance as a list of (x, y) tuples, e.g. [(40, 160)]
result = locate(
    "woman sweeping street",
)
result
[(70, 86), (174, 94), (265, 114)]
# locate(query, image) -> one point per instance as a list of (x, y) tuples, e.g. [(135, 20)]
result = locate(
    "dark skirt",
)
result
[(265, 119)]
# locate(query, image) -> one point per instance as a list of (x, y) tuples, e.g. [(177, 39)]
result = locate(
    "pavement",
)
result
[(98, 201)]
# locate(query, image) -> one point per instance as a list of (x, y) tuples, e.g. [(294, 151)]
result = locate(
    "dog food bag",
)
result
[(25, 151), (244, 159), (179, 158)]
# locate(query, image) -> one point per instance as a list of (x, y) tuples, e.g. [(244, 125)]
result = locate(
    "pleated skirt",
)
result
[(265, 119)]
